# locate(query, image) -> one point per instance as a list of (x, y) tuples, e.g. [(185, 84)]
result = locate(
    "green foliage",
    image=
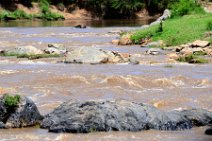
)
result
[(209, 26), (176, 31), (17, 14), (193, 59), (185, 7), (126, 7), (11, 101), (46, 12)]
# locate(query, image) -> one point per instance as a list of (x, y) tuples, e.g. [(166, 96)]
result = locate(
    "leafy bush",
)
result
[(17, 14), (185, 7), (11, 101)]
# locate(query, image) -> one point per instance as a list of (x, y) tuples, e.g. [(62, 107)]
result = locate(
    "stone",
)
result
[(115, 42), (199, 43), (154, 51), (120, 115), (2, 126), (56, 49), (92, 55), (116, 31), (24, 115), (208, 131), (173, 56), (80, 26), (125, 39), (29, 50), (186, 51)]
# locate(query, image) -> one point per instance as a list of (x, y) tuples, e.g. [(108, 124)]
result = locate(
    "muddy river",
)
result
[(157, 80)]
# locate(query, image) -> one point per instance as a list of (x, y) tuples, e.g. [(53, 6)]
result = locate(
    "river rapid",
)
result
[(157, 80)]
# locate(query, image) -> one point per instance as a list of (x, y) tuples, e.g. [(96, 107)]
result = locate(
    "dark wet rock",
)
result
[(80, 26), (93, 55), (154, 51), (208, 131), (23, 115), (56, 49), (120, 115), (2, 126), (29, 50)]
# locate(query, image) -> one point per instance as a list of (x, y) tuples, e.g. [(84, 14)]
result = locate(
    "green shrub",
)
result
[(11, 101), (193, 59), (185, 7), (209, 26)]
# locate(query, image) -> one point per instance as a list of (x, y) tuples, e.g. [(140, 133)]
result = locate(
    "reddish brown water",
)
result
[(49, 83)]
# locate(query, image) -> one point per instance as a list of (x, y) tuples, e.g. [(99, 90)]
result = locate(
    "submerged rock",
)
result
[(120, 115), (24, 114), (154, 51), (93, 55), (80, 26), (29, 50)]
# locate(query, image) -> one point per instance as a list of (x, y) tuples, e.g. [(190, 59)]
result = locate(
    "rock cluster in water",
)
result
[(93, 55), (23, 115), (120, 115)]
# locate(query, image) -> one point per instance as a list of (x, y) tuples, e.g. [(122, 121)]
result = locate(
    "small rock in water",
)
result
[(80, 26), (56, 49), (154, 51), (208, 131), (115, 42), (29, 50)]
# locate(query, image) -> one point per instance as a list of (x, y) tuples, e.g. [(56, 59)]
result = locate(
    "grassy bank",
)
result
[(177, 31)]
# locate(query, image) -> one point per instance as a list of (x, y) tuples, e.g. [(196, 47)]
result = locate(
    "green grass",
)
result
[(193, 59), (31, 57), (177, 31), (11, 101)]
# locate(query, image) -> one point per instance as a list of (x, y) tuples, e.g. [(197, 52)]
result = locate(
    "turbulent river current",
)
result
[(48, 83)]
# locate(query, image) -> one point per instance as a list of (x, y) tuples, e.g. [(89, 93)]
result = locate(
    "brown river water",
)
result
[(49, 83)]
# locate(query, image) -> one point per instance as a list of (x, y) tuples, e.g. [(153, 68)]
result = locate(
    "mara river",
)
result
[(49, 83)]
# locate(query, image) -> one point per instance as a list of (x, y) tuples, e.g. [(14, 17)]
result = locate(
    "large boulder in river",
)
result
[(29, 50), (119, 115), (18, 111), (93, 55)]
